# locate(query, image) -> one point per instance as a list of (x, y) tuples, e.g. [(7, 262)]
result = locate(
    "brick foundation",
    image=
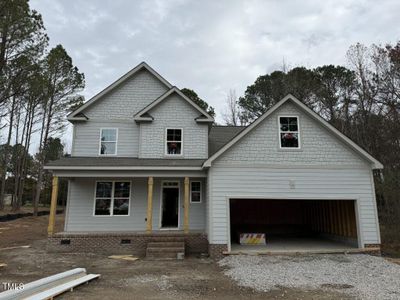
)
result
[(120, 243), (216, 250)]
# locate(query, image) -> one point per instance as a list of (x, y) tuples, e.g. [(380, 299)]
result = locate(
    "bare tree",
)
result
[(232, 113)]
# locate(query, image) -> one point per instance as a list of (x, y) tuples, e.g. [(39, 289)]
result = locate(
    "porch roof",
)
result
[(75, 163)]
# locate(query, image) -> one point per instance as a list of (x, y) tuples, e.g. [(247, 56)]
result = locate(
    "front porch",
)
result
[(161, 208)]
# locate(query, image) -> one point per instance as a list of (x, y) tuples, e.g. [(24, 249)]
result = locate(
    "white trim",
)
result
[(116, 141), (375, 163), (138, 116), (117, 168), (112, 198), (298, 132), (166, 141), (179, 204), (201, 192), (142, 65), (378, 231)]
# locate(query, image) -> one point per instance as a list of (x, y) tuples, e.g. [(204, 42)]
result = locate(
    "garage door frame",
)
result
[(360, 241)]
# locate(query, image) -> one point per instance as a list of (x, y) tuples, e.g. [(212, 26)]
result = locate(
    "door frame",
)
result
[(161, 204)]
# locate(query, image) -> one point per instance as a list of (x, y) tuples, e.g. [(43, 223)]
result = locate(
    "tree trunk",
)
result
[(5, 159)]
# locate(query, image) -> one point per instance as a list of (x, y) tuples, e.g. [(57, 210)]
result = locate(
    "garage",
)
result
[(293, 225)]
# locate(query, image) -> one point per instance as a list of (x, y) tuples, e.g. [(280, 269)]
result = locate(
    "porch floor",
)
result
[(278, 245)]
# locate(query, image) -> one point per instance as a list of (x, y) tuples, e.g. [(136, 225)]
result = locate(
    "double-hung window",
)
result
[(108, 141), (289, 135), (112, 198), (173, 143), (195, 192)]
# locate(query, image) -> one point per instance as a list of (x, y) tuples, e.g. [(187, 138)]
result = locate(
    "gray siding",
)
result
[(127, 99), (323, 168), (318, 146), (174, 112), (87, 138), (81, 204), (116, 110), (257, 182)]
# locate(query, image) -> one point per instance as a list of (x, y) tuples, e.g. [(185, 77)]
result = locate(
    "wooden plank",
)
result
[(149, 224), (53, 206), (186, 206)]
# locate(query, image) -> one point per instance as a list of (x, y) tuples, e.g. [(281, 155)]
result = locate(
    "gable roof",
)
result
[(375, 163), (220, 135), (74, 116), (144, 115)]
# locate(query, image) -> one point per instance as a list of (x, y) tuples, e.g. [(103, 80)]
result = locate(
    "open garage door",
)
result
[(294, 225)]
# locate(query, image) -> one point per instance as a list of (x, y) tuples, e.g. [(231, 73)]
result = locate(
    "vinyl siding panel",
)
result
[(87, 138), (174, 112), (321, 184), (81, 203)]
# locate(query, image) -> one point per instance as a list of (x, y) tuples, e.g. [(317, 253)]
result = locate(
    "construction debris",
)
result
[(15, 247), (50, 287), (124, 257), (3, 265)]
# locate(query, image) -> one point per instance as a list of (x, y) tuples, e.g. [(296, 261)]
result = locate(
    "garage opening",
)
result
[(294, 225)]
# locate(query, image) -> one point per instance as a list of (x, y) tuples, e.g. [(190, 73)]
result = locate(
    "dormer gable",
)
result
[(145, 114)]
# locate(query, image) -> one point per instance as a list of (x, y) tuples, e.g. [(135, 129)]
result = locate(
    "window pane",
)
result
[(196, 197), (293, 124), (174, 148), (289, 140), (174, 134), (109, 135), (121, 189), (121, 207), (103, 189), (107, 148), (196, 186), (102, 207)]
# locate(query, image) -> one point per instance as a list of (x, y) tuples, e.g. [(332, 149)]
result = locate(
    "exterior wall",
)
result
[(174, 112), (79, 216), (323, 168), (87, 138), (318, 146), (116, 110)]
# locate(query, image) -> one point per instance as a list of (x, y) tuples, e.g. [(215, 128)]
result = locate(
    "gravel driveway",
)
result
[(359, 276)]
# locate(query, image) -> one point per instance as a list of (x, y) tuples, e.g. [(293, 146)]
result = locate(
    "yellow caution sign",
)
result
[(252, 239)]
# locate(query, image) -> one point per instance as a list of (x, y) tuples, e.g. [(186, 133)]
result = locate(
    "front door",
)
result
[(170, 205)]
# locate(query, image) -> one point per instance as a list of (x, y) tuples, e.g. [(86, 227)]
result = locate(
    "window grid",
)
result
[(195, 192), (112, 199)]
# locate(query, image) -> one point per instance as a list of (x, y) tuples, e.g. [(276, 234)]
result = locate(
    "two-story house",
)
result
[(150, 170)]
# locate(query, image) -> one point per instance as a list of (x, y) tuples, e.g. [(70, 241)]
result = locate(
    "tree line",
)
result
[(361, 99), (38, 86)]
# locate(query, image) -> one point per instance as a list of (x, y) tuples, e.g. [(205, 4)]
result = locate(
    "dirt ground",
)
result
[(192, 278)]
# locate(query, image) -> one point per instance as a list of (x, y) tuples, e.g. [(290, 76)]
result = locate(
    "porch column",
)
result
[(53, 206), (186, 206), (149, 205)]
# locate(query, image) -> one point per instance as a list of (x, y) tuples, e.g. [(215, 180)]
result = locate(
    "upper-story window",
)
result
[(289, 132), (108, 141), (173, 143)]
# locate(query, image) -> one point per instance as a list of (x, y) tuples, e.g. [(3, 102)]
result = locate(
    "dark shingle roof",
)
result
[(123, 161), (220, 135)]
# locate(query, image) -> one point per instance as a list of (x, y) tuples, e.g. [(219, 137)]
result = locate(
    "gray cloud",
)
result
[(212, 46)]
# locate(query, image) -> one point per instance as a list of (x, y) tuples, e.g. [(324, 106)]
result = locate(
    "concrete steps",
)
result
[(165, 248)]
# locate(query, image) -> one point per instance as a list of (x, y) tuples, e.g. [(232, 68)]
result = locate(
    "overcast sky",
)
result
[(212, 46)]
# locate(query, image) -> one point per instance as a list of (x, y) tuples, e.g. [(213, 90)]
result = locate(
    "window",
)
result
[(174, 142), (289, 132), (108, 141), (195, 192), (112, 198)]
